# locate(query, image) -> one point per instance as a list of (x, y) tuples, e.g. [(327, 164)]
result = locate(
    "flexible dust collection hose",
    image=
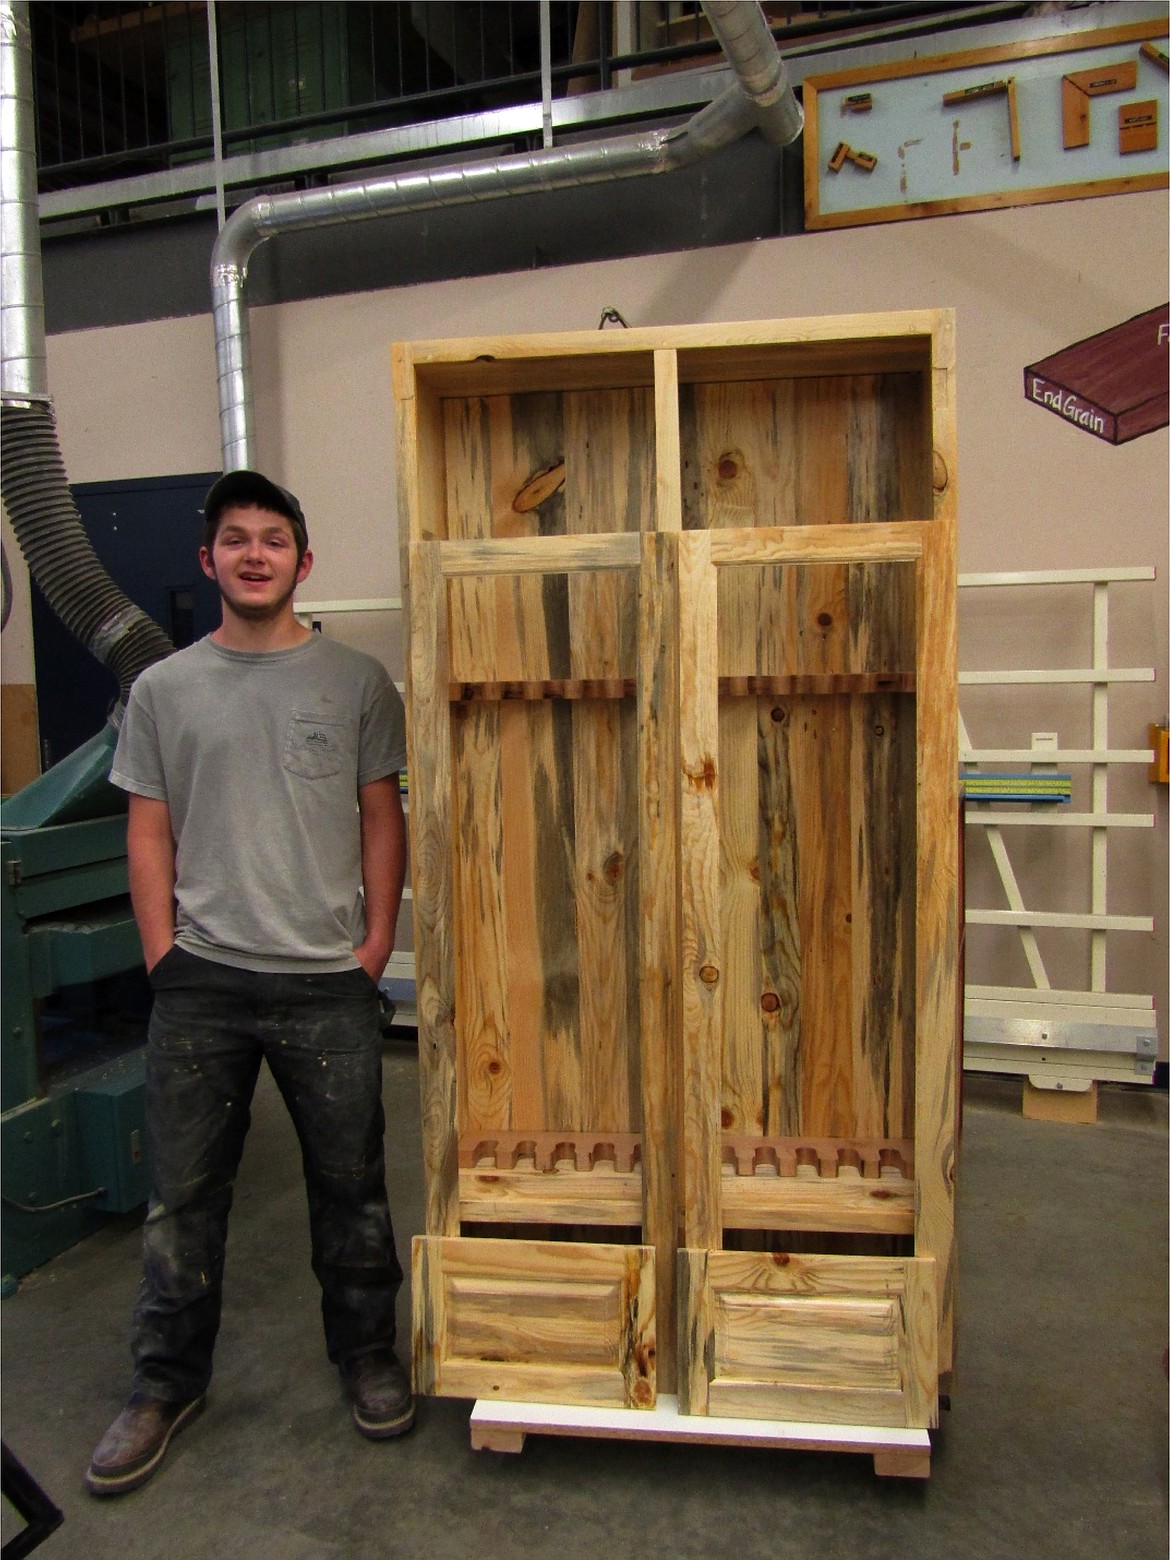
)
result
[(60, 555)]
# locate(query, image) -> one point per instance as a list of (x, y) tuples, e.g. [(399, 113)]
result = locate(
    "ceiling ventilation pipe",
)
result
[(761, 97), (744, 37), (36, 494)]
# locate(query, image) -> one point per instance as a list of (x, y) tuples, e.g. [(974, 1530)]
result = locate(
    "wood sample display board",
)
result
[(684, 840)]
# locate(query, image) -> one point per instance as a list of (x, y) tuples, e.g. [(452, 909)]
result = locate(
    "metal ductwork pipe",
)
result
[(36, 493), (742, 31), (761, 96)]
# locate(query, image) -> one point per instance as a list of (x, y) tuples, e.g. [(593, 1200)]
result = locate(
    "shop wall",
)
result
[(1034, 492)]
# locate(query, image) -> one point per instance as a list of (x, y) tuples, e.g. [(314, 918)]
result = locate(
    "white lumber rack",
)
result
[(1060, 1039)]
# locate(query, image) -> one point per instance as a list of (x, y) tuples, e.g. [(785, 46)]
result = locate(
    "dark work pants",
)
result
[(209, 1031)]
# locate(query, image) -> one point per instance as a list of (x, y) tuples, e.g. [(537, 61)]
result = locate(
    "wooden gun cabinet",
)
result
[(684, 839)]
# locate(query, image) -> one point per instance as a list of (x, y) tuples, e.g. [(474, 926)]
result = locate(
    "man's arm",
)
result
[(150, 846), (383, 869)]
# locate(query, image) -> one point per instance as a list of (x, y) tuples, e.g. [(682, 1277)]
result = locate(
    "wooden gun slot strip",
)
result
[(489, 1151), (782, 1157)]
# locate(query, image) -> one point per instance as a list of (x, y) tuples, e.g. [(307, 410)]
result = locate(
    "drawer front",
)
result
[(534, 1321), (827, 1340)]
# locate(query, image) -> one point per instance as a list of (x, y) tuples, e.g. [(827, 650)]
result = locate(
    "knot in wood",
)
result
[(540, 486), (614, 867), (728, 467), (770, 1002), (825, 619), (708, 974)]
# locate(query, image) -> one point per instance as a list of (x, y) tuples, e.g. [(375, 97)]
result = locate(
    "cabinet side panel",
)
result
[(882, 784), (818, 751), (480, 933), (745, 1086), (780, 929), (937, 952), (700, 951), (657, 923), (505, 480), (829, 450), (546, 915), (467, 437), (738, 461), (606, 861), (429, 767), (540, 857), (609, 486), (526, 748)]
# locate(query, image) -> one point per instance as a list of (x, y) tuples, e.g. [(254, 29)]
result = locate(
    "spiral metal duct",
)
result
[(60, 556), (761, 97), (36, 492), (753, 56)]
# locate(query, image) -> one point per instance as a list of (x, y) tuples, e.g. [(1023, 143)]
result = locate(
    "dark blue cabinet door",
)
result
[(147, 533)]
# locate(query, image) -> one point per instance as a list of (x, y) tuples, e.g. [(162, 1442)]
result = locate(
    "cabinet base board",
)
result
[(502, 1427)]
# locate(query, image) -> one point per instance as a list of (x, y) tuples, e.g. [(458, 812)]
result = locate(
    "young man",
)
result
[(267, 853)]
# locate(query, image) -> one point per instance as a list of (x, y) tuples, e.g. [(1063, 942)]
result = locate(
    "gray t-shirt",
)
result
[(259, 757)]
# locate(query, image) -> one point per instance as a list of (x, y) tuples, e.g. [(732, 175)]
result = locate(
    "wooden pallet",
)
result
[(504, 1427)]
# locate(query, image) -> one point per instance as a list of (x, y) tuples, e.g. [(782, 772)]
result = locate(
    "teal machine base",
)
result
[(69, 1161), (72, 1147)]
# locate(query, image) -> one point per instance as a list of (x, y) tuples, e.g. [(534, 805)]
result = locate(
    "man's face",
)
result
[(253, 560)]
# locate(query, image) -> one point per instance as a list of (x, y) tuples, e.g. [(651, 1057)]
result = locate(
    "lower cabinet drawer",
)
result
[(534, 1321), (827, 1340)]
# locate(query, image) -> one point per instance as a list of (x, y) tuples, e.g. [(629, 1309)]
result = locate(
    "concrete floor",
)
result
[(1056, 1444)]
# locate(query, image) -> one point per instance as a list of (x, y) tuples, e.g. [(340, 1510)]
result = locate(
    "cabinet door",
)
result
[(817, 922), (535, 1321), (539, 833), (827, 1340), (801, 924)]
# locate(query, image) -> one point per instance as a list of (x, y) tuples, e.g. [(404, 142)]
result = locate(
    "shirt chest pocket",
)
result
[(315, 748)]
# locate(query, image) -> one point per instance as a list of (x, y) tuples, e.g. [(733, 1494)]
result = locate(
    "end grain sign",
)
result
[(1113, 385)]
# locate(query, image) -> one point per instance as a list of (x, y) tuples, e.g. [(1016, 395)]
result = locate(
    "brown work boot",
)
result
[(379, 1394), (136, 1443)]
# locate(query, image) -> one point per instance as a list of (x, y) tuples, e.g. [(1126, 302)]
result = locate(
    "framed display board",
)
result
[(1051, 119)]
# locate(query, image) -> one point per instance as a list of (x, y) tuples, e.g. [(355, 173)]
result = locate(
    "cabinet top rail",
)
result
[(903, 340)]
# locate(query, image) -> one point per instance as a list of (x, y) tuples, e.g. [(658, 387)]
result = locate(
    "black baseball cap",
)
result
[(252, 487)]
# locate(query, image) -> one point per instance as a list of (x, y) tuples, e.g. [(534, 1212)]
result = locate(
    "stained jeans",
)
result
[(211, 1027)]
